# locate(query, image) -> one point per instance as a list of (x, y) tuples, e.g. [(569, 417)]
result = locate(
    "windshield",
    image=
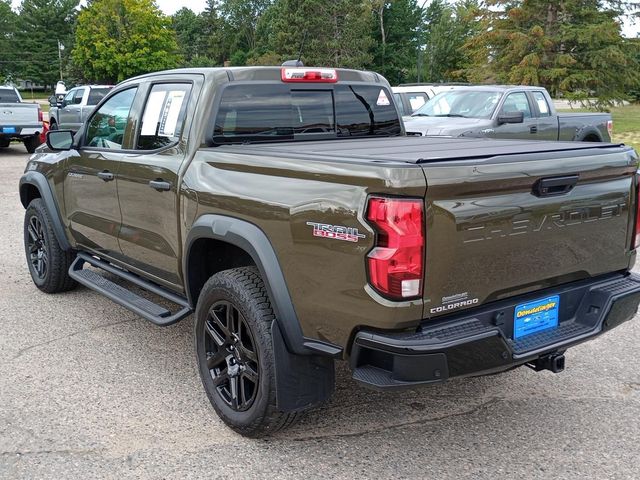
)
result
[(276, 112), (461, 103)]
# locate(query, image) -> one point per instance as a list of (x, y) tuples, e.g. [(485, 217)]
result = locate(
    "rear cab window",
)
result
[(9, 95), (262, 112)]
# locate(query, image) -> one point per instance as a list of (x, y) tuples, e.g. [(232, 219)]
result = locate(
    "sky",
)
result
[(171, 6)]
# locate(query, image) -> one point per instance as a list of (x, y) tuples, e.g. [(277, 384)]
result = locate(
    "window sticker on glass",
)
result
[(416, 102), (169, 119), (383, 100), (152, 113), (542, 106)]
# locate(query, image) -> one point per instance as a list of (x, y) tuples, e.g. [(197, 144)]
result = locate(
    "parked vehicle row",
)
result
[(70, 112), (288, 211), (508, 112), (19, 120)]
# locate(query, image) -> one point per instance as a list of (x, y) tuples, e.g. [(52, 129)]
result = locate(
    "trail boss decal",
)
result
[(336, 232)]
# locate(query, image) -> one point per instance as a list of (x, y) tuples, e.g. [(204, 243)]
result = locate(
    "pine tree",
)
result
[(43, 26), (573, 48), (335, 32), (395, 31), (9, 53)]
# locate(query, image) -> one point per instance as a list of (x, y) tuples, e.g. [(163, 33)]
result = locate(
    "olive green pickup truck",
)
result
[(286, 209)]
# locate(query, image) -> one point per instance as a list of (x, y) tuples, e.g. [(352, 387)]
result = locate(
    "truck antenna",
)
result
[(298, 62)]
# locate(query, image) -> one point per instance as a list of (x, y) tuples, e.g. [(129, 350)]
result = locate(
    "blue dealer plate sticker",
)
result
[(9, 130), (535, 316)]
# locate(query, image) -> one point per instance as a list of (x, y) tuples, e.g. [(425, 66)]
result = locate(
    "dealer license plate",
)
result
[(8, 129), (532, 317)]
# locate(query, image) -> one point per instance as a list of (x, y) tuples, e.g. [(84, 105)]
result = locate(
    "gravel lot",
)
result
[(89, 390)]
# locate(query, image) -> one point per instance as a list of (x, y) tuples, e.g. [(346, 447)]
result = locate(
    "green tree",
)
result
[(40, 25), (189, 29), (336, 32), (118, 39), (573, 48), (8, 55), (447, 29), (396, 28)]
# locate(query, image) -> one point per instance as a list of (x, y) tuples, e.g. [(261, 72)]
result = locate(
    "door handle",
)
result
[(533, 129), (160, 185), (106, 175)]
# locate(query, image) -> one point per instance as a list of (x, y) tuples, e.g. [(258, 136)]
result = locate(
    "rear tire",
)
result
[(4, 143), (32, 143), (48, 263), (235, 352)]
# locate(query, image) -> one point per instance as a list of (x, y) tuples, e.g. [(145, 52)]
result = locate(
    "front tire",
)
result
[(48, 263), (235, 352)]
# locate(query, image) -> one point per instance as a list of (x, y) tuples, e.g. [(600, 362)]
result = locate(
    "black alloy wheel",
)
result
[(37, 247), (231, 356)]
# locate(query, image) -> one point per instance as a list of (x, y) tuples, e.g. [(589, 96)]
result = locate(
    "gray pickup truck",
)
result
[(75, 107), (19, 120), (512, 112)]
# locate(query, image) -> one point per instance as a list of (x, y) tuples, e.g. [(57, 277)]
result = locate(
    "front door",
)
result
[(148, 185), (70, 115), (528, 129), (90, 193)]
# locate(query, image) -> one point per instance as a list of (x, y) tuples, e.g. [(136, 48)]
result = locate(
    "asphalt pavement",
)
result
[(89, 390)]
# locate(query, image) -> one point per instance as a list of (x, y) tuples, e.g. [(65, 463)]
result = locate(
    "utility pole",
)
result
[(60, 48)]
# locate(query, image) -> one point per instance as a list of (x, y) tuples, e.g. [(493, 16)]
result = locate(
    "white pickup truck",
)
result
[(19, 120)]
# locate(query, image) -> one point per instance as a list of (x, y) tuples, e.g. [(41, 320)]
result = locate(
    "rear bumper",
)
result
[(20, 132), (481, 342)]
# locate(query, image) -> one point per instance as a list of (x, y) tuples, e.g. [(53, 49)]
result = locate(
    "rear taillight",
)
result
[(397, 259), (636, 237), (40, 116), (610, 127)]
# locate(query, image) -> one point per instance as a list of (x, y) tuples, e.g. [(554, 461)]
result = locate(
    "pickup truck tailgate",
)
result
[(18, 114), (503, 226)]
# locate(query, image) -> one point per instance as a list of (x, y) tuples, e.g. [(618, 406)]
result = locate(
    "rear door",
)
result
[(90, 194), (493, 233), (148, 181), (547, 123)]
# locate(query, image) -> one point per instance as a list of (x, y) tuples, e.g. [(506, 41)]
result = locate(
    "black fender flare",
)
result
[(254, 241), (39, 181), (305, 374)]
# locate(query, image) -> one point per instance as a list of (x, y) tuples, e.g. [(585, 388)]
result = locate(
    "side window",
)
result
[(417, 100), (107, 126), (163, 116), (70, 96), (543, 106), (517, 102), (77, 99), (398, 98)]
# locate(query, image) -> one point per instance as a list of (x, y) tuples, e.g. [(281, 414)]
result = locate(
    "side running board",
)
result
[(145, 308)]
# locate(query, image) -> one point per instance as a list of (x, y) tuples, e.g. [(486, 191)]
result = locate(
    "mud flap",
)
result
[(302, 381)]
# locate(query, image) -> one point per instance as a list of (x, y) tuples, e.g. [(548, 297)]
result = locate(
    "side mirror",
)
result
[(52, 101), (60, 139), (510, 117)]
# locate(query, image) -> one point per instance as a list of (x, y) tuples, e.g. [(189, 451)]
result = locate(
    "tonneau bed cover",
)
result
[(413, 149)]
